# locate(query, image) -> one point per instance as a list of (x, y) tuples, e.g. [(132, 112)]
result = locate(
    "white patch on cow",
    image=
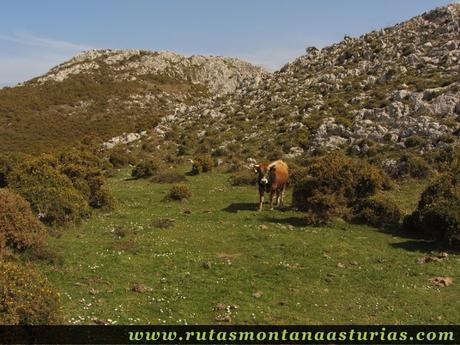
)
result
[(264, 180)]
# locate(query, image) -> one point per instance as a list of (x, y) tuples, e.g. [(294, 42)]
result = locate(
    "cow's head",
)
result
[(264, 174)]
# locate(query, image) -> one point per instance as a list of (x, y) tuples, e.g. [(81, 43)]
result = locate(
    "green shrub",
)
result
[(415, 141), (438, 211), (146, 168), (219, 152), (82, 157), (297, 172), (245, 177), (444, 157), (85, 170), (324, 207), (169, 176), (7, 164), (447, 138), (44, 254), (407, 50), (234, 166), (26, 297), (101, 197), (179, 192), (275, 154), (414, 166), (202, 164), (332, 184), (183, 150), (204, 147), (149, 146), (377, 211), (3, 174), (120, 157), (19, 227), (50, 193)]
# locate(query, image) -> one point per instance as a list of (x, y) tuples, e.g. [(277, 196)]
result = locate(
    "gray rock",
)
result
[(400, 95)]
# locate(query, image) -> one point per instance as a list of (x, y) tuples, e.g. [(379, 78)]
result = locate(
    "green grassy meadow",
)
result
[(223, 262)]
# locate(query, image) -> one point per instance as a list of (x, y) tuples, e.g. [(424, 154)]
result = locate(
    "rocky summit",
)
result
[(220, 74), (389, 88)]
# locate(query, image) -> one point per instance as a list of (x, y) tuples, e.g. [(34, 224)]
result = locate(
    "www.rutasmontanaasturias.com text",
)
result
[(286, 335)]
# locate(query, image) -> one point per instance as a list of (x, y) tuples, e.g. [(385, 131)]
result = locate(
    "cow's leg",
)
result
[(261, 200), (283, 190), (272, 193), (278, 196)]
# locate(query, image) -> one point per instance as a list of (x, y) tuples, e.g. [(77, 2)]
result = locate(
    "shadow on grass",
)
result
[(421, 246), (399, 231), (240, 206), (294, 221)]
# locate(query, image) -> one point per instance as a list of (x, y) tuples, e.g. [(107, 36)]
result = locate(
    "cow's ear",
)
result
[(256, 168)]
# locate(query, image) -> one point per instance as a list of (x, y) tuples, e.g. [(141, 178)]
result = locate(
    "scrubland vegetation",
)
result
[(61, 189), (26, 297), (144, 261)]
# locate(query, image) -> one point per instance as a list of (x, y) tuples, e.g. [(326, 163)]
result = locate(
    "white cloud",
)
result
[(38, 55), (31, 40)]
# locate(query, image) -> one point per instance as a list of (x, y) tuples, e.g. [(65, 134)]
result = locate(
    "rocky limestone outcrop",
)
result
[(125, 138), (222, 75)]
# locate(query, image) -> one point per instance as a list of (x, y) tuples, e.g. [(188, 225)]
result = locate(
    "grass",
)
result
[(219, 253), (406, 194)]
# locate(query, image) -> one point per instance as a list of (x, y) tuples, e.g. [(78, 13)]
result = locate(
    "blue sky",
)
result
[(37, 35)]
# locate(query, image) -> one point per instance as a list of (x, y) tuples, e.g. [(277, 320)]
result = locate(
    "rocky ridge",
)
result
[(221, 74)]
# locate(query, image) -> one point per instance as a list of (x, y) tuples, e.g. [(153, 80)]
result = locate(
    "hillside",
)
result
[(378, 89), (103, 93)]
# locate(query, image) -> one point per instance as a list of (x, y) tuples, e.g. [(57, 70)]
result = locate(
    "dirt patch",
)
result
[(227, 256)]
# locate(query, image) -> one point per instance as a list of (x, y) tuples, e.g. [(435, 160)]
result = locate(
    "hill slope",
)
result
[(103, 93), (388, 89), (383, 87)]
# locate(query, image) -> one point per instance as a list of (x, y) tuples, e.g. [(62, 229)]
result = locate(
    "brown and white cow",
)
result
[(272, 179)]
